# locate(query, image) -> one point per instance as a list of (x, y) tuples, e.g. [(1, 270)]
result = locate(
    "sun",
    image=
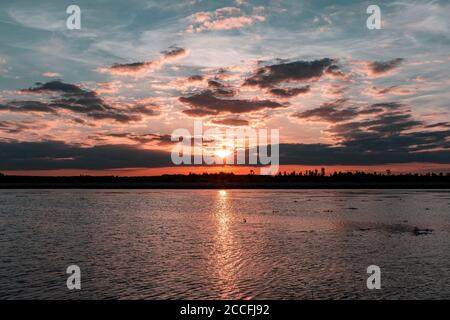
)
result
[(222, 153)]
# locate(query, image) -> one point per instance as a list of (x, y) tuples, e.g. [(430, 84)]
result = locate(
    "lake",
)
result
[(224, 244)]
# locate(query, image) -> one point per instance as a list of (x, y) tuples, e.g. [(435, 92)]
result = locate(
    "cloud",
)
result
[(289, 92), (48, 155), (131, 69), (226, 18), (15, 127), (54, 86), (220, 89), (145, 138), (390, 129), (145, 109), (27, 106), (66, 96), (439, 125), (206, 103), (394, 130), (45, 19), (240, 2), (175, 53), (384, 125), (140, 69), (235, 122), (108, 87), (336, 111), (333, 90), (415, 18), (268, 76), (195, 78), (200, 113), (325, 154), (380, 68), (51, 74), (391, 90)]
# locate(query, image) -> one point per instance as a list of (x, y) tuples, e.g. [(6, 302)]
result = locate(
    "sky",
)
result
[(107, 97)]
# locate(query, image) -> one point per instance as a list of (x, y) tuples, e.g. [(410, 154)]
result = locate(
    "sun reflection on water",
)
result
[(226, 257)]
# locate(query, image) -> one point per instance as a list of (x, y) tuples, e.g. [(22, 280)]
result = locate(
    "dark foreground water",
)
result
[(172, 244)]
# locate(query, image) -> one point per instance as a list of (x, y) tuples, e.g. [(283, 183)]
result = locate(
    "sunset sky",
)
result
[(106, 98)]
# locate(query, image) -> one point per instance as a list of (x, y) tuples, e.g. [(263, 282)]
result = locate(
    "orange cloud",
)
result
[(227, 18), (140, 69), (375, 69), (51, 74)]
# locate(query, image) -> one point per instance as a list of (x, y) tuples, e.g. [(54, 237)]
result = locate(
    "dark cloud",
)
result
[(379, 67), (206, 103), (27, 106), (160, 139), (390, 129), (324, 154), (78, 100), (439, 124), (131, 67), (220, 89), (330, 112), (146, 109), (394, 131), (388, 106), (382, 126), (49, 155), (269, 76), (289, 92), (231, 122), (195, 78), (200, 112), (54, 86), (59, 155), (337, 111), (215, 84), (78, 120), (174, 52), (335, 71)]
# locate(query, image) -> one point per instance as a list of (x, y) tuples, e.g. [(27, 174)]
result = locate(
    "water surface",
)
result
[(229, 244)]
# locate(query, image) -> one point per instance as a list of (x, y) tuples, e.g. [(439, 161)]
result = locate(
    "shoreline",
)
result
[(146, 185), (313, 180)]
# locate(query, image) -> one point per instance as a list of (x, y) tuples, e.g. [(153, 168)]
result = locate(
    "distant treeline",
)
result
[(305, 179)]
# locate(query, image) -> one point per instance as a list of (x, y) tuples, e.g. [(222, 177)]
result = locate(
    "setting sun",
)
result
[(223, 153)]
